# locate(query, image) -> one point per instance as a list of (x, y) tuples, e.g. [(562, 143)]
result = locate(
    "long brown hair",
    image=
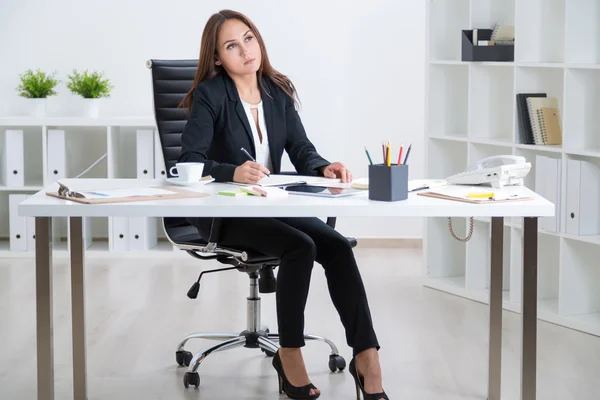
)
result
[(208, 50)]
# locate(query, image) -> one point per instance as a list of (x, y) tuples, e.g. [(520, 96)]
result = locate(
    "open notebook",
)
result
[(283, 180)]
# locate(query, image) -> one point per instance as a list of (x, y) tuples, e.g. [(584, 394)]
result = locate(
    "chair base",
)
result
[(253, 337)]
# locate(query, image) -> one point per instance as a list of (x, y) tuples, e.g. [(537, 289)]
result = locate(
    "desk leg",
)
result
[(78, 308), (43, 299), (529, 309), (495, 346)]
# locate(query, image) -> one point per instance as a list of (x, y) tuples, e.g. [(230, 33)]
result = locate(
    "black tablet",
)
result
[(310, 190)]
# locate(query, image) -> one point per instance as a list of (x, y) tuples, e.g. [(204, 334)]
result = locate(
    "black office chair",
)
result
[(171, 80)]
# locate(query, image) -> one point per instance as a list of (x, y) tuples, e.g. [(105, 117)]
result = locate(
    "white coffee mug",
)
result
[(188, 171)]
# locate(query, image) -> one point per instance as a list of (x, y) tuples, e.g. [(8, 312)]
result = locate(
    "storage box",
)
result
[(388, 183), (470, 52)]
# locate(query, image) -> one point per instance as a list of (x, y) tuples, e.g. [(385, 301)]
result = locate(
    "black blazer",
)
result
[(218, 128)]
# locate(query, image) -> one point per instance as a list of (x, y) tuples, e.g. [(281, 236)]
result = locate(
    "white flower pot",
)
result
[(36, 107), (91, 108)]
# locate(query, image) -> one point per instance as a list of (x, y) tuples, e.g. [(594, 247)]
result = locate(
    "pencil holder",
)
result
[(388, 183)]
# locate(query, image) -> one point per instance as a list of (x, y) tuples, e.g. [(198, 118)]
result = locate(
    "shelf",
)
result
[(456, 286), (582, 43), (581, 116), (454, 138), (591, 239), (540, 31), (589, 152), (490, 102), (21, 121), (540, 148), (557, 52), (540, 65), (448, 107), (448, 62), (503, 141), (583, 66)]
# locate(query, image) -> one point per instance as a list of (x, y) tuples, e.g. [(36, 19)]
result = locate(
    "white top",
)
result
[(263, 156), (359, 205)]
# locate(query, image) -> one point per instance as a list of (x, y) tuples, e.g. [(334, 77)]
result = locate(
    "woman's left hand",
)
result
[(337, 170)]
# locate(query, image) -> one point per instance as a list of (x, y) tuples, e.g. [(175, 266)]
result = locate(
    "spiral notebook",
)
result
[(549, 124), (537, 120)]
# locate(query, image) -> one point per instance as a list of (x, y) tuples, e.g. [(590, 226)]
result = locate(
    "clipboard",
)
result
[(473, 201), (65, 193)]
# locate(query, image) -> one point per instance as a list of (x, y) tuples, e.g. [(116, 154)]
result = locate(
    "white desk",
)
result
[(44, 207)]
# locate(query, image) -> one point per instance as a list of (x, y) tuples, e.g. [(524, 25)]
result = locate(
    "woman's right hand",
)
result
[(249, 172)]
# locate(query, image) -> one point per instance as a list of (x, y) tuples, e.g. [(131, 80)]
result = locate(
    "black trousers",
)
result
[(298, 243)]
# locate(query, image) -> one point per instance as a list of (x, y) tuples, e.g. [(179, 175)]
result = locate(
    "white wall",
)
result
[(359, 69)]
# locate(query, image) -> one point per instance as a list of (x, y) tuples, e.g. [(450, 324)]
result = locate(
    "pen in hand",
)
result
[(251, 158)]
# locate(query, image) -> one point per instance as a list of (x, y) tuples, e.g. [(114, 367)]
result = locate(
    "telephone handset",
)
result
[(495, 171)]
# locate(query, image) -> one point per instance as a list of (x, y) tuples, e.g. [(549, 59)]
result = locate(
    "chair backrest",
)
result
[(171, 80)]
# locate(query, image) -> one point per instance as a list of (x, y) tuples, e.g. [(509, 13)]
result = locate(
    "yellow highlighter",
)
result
[(480, 195)]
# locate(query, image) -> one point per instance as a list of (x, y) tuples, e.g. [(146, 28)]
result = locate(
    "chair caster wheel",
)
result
[(183, 357), (336, 363), (191, 379), (268, 353)]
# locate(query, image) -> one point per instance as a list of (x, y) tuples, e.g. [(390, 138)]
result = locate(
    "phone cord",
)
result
[(455, 236)]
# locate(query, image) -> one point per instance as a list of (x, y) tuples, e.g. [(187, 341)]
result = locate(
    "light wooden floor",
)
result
[(434, 345)]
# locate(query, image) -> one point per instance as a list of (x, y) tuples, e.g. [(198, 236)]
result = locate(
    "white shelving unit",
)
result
[(85, 141), (471, 113)]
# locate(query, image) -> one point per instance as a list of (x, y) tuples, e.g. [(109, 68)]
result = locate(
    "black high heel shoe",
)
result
[(360, 385), (293, 392)]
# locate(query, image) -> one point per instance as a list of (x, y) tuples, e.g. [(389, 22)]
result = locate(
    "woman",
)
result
[(239, 100)]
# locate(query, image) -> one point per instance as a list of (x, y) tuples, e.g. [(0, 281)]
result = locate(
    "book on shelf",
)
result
[(525, 132), (544, 120), (538, 119)]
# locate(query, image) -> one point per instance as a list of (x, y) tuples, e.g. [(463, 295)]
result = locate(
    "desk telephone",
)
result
[(495, 171)]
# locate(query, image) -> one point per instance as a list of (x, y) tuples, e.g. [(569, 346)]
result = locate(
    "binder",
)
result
[(145, 153), (17, 225), (547, 184), (13, 158), (142, 233), (57, 155), (160, 171), (583, 197), (119, 234)]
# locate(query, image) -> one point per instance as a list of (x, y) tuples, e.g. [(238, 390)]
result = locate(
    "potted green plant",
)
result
[(92, 87), (36, 87)]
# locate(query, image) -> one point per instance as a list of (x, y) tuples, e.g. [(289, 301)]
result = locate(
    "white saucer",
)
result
[(177, 181)]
